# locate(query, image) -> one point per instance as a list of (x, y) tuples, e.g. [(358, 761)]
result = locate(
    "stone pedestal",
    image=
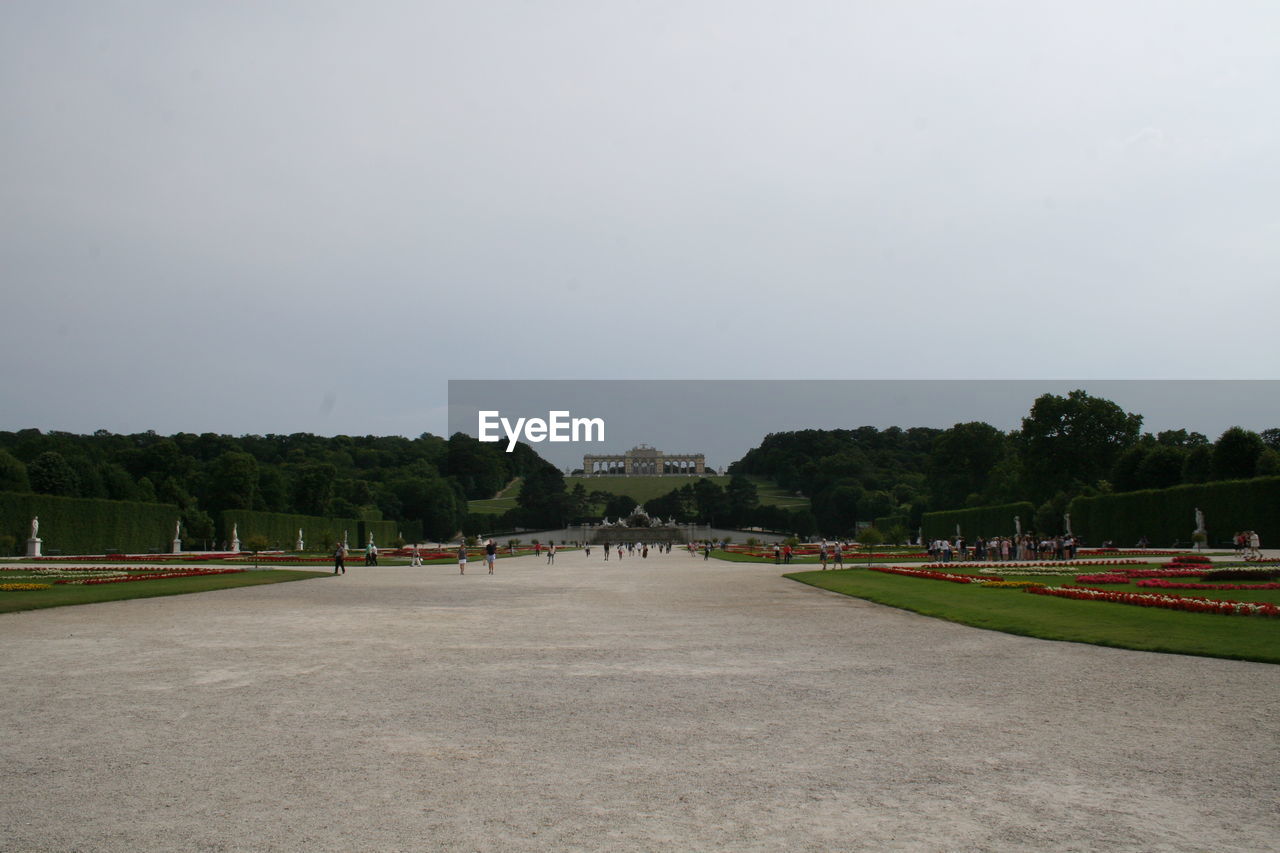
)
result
[(235, 546), (177, 546), (33, 547), (298, 545)]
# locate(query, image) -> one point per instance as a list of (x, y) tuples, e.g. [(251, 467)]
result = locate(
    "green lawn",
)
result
[(1098, 623), (61, 595), (641, 490)]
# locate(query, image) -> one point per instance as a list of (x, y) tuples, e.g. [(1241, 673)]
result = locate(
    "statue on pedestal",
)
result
[(35, 527)]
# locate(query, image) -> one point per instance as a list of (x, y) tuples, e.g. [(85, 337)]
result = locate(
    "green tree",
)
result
[(1198, 467), (233, 481), (961, 461), (50, 474), (13, 474), (1161, 468), (740, 498), (1235, 455), (313, 488), (1072, 441)]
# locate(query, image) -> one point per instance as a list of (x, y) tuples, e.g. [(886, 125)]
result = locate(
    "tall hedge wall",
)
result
[(1166, 516), (87, 526), (281, 529), (985, 521)]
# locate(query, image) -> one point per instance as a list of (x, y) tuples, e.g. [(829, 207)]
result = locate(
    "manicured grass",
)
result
[(639, 489), (61, 595), (1098, 623)]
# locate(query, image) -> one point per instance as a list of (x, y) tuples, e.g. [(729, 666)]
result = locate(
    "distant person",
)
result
[(822, 554), (606, 552), (551, 553), (415, 559), (838, 554), (490, 554), (339, 563), (706, 550), (462, 559), (777, 553)]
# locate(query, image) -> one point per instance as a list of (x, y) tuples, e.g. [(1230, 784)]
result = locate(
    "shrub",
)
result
[(256, 543), (1241, 574)]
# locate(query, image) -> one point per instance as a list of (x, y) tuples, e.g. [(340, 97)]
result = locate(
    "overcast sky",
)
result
[(273, 217)]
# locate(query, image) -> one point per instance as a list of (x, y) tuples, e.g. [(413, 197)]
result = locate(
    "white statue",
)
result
[(957, 530), (35, 527), (1017, 524), (177, 529), (235, 531), (1199, 521), (1066, 523)]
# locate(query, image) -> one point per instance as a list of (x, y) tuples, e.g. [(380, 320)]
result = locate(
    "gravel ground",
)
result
[(659, 704)]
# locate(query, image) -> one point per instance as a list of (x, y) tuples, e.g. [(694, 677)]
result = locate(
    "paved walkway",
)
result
[(659, 704)]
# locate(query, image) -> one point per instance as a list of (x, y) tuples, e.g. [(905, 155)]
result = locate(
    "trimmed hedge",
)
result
[(87, 525), (985, 521), (281, 529), (1166, 516)]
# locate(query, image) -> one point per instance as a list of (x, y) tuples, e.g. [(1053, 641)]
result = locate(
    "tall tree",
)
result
[(1073, 441), (961, 461), (1235, 455), (51, 475)]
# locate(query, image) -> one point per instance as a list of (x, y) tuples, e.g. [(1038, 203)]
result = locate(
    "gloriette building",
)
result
[(644, 461)]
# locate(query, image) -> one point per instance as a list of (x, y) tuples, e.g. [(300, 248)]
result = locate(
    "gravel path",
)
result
[(659, 704)]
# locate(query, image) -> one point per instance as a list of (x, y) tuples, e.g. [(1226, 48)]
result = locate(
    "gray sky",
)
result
[(304, 216)]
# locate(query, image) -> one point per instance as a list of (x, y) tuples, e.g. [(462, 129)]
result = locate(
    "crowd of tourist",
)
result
[(1023, 547)]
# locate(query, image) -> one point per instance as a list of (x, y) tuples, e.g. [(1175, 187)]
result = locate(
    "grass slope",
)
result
[(641, 490), (61, 595), (1098, 623)]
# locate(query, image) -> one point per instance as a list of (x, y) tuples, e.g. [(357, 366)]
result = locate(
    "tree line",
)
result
[(426, 480), (1067, 446)]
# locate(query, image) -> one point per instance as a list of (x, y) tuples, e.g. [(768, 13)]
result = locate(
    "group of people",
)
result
[(998, 549), (1248, 545), (633, 548)]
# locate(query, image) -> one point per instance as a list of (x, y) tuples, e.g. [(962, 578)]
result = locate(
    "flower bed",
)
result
[(1164, 573), (1168, 601), (1107, 578), (1163, 584), (1010, 584), (1059, 565), (930, 575), (22, 587), (150, 576)]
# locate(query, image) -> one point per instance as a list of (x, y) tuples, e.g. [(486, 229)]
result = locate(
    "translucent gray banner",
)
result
[(723, 419)]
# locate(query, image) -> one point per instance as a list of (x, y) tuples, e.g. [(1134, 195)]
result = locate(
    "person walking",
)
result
[(706, 550), (490, 554), (551, 553), (838, 554), (415, 559), (339, 564), (462, 558)]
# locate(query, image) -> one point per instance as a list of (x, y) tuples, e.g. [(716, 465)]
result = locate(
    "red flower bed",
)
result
[(1163, 584), (1107, 578), (1012, 565), (1164, 573), (1168, 601), (151, 576), (929, 575)]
